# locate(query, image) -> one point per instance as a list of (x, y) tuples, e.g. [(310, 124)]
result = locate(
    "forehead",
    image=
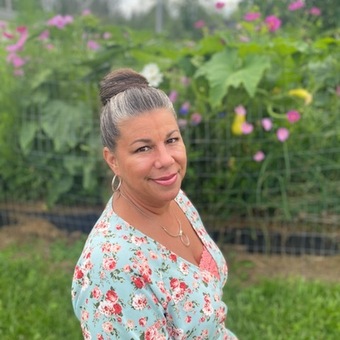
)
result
[(148, 122)]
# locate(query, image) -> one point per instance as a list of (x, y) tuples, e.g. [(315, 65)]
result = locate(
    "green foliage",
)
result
[(290, 308), (35, 302), (51, 148)]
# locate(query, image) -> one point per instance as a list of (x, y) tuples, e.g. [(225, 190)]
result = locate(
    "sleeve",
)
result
[(113, 296)]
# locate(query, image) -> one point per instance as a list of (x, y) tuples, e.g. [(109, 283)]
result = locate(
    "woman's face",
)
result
[(150, 157)]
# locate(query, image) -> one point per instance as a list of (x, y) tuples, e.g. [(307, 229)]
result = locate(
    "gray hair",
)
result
[(126, 94)]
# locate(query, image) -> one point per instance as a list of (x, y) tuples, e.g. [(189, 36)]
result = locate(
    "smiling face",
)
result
[(150, 157)]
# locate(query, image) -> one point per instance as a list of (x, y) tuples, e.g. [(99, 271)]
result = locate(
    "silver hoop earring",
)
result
[(113, 185)]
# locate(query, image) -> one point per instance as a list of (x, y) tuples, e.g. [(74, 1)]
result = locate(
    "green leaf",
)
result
[(250, 74), (66, 124), (224, 70), (57, 187), (26, 137)]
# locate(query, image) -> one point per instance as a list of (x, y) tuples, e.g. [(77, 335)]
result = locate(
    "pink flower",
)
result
[(196, 118), (273, 23), (18, 46), (251, 16), (315, 11), (185, 81), (18, 72), (7, 35), (173, 96), (49, 47), (337, 90), (86, 12), (293, 116), (282, 134), (219, 5), (60, 21), (16, 60), (199, 24), (44, 35), (296, 5), (93, 45), (267, 124), (3, 24), (22, 30), (244, 38), (107, 35), (259, 156), (240, 110), (247, 128)]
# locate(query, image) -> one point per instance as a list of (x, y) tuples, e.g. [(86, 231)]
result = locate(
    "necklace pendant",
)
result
[(184, 239)]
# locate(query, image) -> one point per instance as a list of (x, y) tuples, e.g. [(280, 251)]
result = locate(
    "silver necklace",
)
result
[(181, 234)]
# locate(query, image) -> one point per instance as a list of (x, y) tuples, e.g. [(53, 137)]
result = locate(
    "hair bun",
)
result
[(118, 81)]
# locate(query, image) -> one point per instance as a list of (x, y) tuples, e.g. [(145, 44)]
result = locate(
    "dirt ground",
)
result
[(251, 266)]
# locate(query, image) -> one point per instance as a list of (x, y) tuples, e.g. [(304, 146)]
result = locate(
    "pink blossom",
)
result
[(86, 12), (196, 118), (251, 16), (93, 45), (244, 38), (3, 24), (60, 21), (282, 134), (18, 46), (267, 124), (296, 5), (219, 5), (173, 96), (247, 128), (199, 24), (185, 81), (16, 60), (293, 116), (273, 23), (259, 156), (18, 72), (49, 47), (337, 90), (240, 110), (44, 35), (315, 11), (7, 35), (107, 35)]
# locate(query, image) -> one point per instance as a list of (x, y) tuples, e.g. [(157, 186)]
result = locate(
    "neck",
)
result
[(148, 211)]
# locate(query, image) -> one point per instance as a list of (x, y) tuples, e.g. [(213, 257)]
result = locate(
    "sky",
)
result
[(128, 7)]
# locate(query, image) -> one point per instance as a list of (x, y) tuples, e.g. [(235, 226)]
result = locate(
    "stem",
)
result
[(274, 114), (287, 161)]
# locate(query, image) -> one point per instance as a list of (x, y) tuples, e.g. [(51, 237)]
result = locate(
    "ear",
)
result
[(111, 160)]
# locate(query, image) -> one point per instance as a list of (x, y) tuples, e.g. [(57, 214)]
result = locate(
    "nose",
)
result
[(164, 158)]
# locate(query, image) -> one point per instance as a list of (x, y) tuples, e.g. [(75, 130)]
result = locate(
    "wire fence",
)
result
[(285, 206)]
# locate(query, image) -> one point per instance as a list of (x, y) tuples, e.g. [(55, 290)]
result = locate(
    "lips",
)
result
[(166, 180)]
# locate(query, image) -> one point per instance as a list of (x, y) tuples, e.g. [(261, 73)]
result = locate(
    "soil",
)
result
[(252, 267)]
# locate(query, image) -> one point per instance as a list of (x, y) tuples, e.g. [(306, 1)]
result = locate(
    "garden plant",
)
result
[(256, 100), (257, 97)]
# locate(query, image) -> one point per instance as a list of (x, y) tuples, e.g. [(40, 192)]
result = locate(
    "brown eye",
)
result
[(172, 140), (143, 149)]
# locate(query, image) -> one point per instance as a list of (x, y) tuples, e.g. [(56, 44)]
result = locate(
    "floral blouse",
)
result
[(128, 286)]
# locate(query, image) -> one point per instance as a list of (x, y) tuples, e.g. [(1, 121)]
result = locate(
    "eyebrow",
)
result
[(146, 140)]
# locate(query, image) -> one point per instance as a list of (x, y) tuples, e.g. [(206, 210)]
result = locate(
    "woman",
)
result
[(148, 270)]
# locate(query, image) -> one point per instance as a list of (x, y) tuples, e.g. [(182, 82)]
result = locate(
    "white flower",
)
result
[(153, 74)]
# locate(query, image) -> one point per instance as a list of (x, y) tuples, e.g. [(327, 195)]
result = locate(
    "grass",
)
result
[(35, 281)]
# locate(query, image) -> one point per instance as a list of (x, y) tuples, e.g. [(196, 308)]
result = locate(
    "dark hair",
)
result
[(125, 93)]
